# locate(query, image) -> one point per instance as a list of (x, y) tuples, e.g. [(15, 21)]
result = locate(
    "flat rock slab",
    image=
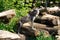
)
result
[(58, 37), (22, 37), (8, 13), (8, 35)]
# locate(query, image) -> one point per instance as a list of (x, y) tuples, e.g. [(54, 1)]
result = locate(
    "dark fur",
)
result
[(28, 18)]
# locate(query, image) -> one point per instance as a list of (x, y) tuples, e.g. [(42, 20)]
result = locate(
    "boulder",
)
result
[(6, 35), (58, 37)]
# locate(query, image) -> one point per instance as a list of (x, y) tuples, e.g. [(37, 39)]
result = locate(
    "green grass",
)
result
[(42, 37)]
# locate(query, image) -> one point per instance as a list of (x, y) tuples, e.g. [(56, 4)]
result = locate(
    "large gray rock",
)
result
[(22, 37), (8, 35), (59, 31), (58, 37)]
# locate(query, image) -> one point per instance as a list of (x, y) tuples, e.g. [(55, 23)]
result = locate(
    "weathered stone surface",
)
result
[(10, 13), (22, 37), (8, 35), (58, 37), (59, 32)]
